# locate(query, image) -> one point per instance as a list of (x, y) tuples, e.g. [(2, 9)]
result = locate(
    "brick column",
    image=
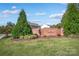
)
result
[(62, 32)]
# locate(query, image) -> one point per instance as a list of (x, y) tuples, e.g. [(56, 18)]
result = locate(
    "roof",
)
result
[(45, 26)]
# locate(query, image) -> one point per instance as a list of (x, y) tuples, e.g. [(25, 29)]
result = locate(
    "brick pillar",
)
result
[(62, 32)]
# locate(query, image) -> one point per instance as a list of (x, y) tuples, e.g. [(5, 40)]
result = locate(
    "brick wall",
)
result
[(36, 31), (45, 32)]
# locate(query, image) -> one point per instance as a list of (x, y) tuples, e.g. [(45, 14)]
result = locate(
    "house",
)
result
[(46, 31)]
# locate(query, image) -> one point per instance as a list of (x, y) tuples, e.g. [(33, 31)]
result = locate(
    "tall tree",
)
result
[(22, 27), (70, 20)]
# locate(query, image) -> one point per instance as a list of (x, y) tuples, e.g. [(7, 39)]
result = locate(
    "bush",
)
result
[(21, 37), (27, 37), (74, 36)]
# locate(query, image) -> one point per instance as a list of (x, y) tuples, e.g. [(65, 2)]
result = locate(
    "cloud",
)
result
[(34, 20), (13, 10), (40, 14), (56, 16), (10, 11), (7, 12), (13, 7)]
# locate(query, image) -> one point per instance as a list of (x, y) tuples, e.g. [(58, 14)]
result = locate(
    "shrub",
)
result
[(74, 36), (27, 37)]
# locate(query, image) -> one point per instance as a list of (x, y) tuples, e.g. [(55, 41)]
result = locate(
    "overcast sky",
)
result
[(40, 13)]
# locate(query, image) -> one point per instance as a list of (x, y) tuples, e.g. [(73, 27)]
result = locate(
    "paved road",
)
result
[(2, 36)]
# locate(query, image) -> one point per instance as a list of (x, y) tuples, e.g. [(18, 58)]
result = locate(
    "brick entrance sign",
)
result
[(48, 32)]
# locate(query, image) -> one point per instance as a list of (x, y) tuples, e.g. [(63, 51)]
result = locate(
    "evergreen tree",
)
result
[(70, 20), (22, 27)]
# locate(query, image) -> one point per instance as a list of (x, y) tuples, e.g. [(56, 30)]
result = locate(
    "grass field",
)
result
[(40, 47)]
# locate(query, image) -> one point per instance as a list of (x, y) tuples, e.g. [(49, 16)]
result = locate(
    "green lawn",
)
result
[(44, 46)]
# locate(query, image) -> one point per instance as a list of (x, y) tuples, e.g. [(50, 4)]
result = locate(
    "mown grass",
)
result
[(40, 47)]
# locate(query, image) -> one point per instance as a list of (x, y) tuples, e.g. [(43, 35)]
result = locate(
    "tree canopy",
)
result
[(70, 20)]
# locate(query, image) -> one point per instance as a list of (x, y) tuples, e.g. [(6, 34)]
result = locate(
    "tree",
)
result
[(10, 24), (2, 29), (7, 29), (70, 20), (22, 27), (58, 25)]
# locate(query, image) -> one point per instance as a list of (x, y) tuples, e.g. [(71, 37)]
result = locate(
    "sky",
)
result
[(40, 13)]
